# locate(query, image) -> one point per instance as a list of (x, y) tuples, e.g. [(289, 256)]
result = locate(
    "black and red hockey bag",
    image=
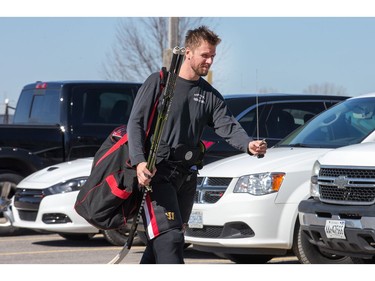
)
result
[(111, 194)]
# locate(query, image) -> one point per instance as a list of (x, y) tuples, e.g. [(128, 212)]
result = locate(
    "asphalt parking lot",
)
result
[(34, 256), (35, 248)]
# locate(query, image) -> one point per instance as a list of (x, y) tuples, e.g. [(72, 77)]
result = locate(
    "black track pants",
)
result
[(167, 248), (166, 210)]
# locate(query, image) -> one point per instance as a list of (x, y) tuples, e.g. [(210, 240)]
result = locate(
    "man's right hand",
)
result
[(144, 175)]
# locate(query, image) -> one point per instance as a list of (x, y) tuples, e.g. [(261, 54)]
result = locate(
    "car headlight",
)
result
[(314, 186), (259, 184), (66, 186)]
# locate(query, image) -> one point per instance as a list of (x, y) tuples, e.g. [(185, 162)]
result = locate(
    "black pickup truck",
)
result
[(59, 121)]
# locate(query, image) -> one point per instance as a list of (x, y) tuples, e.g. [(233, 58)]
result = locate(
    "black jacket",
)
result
[(195, 104)]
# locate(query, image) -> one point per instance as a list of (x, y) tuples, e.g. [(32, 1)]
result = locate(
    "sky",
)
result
[(282, 52)]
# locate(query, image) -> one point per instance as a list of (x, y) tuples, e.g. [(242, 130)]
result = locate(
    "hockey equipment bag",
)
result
[(111, 195)]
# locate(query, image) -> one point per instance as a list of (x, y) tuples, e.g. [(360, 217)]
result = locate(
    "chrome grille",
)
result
[(347, 185), (210, 190), (28, 199), (350, 173), (218, 181)]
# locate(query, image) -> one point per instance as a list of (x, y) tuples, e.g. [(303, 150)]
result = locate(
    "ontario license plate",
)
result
[(196, 219), (335, 229)]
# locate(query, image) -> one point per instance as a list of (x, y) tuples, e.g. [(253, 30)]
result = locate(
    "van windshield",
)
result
[(346, 123)]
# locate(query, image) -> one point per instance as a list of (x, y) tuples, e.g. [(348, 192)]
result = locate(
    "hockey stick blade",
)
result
[(125, 250), (120, 256)]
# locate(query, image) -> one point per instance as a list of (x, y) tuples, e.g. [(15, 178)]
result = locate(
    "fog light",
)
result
[(55, 218)]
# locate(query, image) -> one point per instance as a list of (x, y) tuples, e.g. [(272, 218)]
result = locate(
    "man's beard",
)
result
[(202, 71)]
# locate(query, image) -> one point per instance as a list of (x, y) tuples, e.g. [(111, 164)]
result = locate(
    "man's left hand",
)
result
[(258, 147)]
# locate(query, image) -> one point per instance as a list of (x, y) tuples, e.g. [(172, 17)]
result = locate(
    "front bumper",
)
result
[(55, 214), (359, 227), (244, 224)]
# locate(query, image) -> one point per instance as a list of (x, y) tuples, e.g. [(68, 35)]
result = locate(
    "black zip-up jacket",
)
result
[(195, 104)]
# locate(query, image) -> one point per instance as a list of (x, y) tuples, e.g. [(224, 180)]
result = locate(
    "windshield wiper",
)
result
[(298, 145)]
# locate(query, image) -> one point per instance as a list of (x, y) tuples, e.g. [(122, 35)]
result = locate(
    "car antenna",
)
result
[(257, 102), (257, 109)]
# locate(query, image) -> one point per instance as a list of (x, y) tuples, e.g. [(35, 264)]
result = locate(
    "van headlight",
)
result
[(314, 186), (259, 184), (66, 186)]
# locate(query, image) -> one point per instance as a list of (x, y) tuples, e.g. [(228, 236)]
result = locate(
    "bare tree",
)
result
[(325, 89), (139, 47)]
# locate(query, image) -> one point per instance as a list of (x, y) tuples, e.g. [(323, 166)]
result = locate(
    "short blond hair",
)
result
[(194, 37)]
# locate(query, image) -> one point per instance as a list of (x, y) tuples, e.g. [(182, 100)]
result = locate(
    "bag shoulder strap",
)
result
[(163, 81)]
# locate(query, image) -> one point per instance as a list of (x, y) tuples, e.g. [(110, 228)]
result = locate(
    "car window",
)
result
[(277, 120), (238, 105), (103, 105), (39, 107), (347, 123)]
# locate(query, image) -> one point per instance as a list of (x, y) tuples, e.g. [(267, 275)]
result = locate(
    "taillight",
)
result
[(41, 86), (208, 144)]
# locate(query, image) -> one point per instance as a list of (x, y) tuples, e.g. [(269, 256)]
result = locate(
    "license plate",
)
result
[(335, 229), (196, 219)]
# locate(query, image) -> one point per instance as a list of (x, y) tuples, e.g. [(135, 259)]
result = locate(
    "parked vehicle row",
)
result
[(44, 200), (59, 184), (247, 208)]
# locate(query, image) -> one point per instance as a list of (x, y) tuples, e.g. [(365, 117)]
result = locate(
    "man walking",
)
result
[(195, 105)]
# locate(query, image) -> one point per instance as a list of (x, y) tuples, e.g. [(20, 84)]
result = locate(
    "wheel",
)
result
[(119, 237), (248, 259), (77, 236), (116, 237), (308, 253), (8, 184)]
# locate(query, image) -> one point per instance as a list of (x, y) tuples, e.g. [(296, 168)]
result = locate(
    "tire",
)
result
[(8, 184), (248, 259), (308, 253), (116, 237), (7, 179), (77, 236)]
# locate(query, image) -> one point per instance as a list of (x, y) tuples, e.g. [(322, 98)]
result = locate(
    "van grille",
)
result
[(210, 190)]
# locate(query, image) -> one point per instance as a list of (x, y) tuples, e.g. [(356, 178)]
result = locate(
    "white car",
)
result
[(44, 201), (246, 208)]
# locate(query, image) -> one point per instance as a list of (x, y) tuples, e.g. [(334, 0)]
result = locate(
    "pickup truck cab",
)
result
[(57, 122), (339, 218)]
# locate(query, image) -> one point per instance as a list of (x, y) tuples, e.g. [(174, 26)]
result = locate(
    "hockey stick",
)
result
[(172, 74)]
